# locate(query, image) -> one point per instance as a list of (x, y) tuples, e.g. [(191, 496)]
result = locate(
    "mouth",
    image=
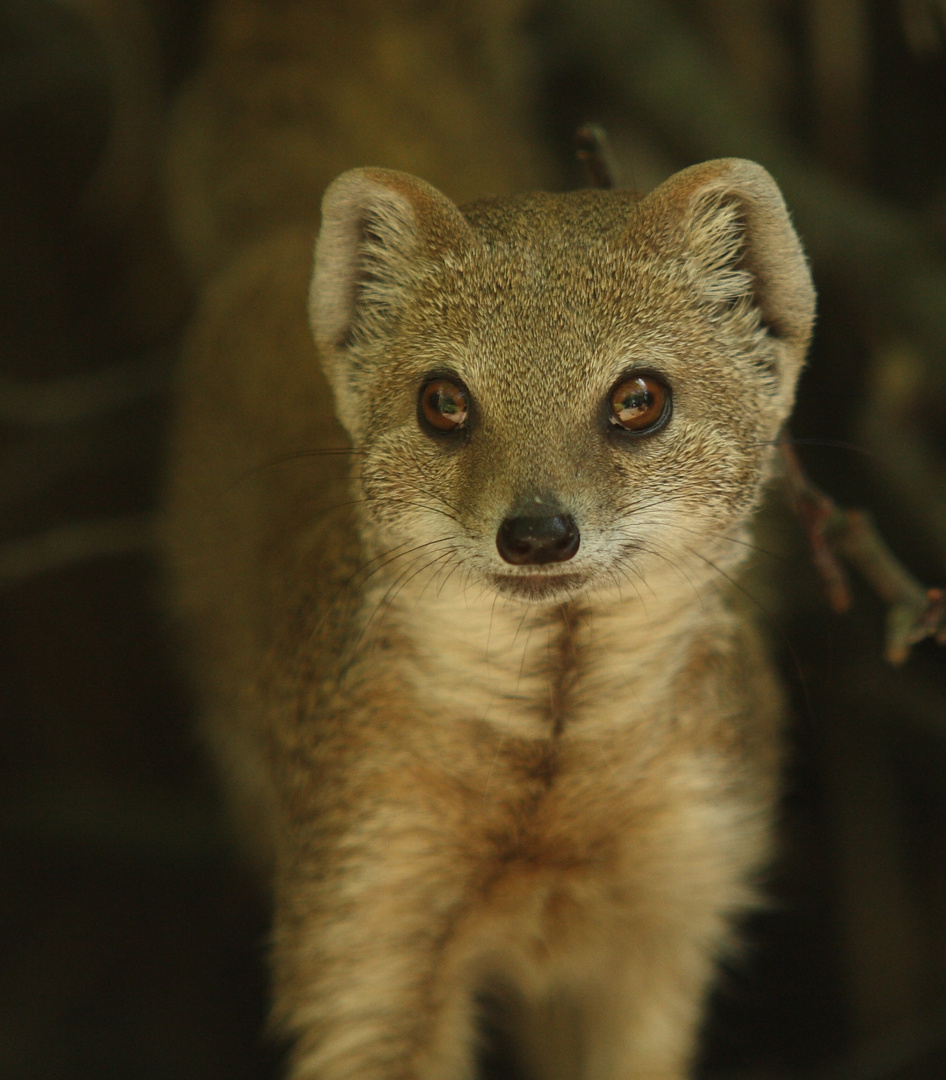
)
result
[(538, 588)]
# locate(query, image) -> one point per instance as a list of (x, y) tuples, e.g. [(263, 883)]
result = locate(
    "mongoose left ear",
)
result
[(381, 231), (745, 255)]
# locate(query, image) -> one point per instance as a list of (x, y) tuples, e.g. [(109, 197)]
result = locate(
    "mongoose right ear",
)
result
[(740, 230), (381, 230)]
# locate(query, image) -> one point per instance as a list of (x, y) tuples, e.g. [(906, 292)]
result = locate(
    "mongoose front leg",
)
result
[(644, 1025), (371, 980)]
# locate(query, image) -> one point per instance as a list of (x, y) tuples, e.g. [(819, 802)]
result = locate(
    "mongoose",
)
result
[(471, 655)]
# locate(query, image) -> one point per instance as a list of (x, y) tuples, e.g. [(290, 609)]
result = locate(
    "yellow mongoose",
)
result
[(479, 684)]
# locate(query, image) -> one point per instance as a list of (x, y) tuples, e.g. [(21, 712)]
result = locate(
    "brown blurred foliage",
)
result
[(132, 938)]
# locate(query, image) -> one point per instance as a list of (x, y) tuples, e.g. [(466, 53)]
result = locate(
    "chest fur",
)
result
[(580, 669)]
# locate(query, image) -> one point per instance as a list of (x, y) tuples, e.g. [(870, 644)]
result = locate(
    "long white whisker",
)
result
[(395, 587), (378, 562)]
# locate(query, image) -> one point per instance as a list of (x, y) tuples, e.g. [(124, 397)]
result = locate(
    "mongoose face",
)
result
[(560, 393)]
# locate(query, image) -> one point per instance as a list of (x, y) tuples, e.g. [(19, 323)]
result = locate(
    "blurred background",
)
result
[(131, 938)]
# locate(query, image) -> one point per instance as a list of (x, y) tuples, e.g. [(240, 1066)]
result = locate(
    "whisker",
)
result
[(431, 494), (626, 570), (394, 500), (734, 582), (456, 566), (396, 587), (298, 455), (355, 650), (409, 551), (378, 562), (661, 523), (773, 625), (616, 572), (833, 444), (489, 625), (318, 451), (631, 508), (525, 646), (649, 549)]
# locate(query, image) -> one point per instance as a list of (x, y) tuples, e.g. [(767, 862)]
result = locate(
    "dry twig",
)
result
[(913, 612), (593, 151)]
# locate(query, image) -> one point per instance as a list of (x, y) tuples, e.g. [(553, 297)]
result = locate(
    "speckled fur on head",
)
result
[(537, 305)]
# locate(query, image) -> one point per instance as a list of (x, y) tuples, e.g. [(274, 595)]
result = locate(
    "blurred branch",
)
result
[(886, 1057), (923, 23), (81, 397), (913, 612), (593, 151), (145, 826), (74, 542), (129, 43)]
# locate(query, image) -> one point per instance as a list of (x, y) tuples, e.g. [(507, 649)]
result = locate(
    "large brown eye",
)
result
[(444, 405), (639, 404)]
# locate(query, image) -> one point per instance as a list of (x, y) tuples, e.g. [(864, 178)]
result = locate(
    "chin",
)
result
[(539, 588)]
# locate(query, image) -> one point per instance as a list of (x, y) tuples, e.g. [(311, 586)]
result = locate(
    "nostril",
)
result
[(531, 541)]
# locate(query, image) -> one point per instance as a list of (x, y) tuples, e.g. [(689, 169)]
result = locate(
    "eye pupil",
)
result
[(639, 404), (444, 405)]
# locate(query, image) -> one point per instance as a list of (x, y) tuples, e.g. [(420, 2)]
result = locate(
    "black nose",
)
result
[(535, 540)]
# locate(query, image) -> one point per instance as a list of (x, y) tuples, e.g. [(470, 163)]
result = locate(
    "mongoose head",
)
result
[(555, 393)]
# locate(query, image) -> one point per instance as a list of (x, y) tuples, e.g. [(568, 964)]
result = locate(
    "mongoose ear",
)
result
[(745, 254), (380, 229), (739, 232)]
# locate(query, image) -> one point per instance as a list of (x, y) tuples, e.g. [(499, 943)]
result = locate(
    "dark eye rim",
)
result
[(623, 433), (459, 433)]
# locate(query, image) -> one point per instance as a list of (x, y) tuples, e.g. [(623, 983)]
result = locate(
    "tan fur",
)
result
[(558, 794), (550, 787)]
